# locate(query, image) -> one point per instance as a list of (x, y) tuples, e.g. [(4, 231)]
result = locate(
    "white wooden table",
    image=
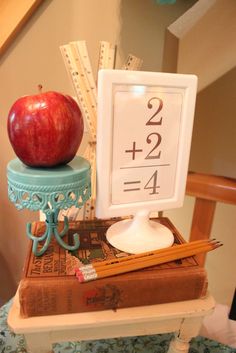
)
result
[(183, 318)]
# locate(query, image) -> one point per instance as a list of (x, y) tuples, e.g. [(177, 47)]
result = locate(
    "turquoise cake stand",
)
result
[(49, 190)]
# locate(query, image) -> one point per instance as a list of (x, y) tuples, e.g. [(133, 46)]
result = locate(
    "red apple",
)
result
[(46, 129)]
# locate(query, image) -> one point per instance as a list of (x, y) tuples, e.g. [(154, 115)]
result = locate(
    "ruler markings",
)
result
[(107, 55), (79, 51), (132, 63), (78, 66), (76, 74)]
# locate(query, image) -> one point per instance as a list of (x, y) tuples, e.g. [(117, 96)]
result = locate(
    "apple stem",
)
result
[(40, 87)]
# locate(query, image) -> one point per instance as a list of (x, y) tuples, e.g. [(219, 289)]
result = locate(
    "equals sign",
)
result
[(132, 183)]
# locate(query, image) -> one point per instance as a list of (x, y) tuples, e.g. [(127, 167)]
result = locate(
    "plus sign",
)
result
[(134, 150)]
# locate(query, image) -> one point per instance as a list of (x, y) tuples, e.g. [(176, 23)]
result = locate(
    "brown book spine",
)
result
[(60, 296), (48, 288)]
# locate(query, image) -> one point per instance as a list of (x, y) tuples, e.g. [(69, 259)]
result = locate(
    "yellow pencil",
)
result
[(91, 272)]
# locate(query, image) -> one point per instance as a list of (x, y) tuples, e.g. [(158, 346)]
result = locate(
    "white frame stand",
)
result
[(184, 318), (144, 129), (139, 234)]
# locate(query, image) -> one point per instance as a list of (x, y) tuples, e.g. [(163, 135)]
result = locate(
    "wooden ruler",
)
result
[(85, 92), (78, 66), (132, 63), (81, 55), (77, 62), (107, 55), (88, 211)]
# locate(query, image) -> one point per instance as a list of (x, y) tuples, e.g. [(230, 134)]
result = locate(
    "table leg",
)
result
[(38, 343), (189, 328), (177, 345)]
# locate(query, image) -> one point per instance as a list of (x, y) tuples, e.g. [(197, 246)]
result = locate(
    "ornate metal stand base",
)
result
[(49, 190), (51, 229)]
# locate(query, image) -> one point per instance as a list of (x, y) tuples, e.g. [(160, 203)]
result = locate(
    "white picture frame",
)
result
[(129, 140)]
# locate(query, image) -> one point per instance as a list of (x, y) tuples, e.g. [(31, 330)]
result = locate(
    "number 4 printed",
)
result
[(152, 184)]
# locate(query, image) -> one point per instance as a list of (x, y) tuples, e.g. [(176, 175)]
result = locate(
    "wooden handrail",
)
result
[(211, 187), (207, 190)]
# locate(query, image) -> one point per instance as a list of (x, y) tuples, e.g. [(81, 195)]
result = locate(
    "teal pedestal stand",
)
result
[(49, 190)]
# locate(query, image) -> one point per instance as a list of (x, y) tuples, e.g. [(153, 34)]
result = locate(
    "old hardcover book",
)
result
[(49, 285)]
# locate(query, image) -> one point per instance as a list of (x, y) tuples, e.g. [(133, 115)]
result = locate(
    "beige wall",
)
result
[(215, 128), (136, 26)]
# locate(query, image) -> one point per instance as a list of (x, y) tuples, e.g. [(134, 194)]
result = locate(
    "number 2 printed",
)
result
[(158, 141), (159, 108), (152, 122), (153, 137)]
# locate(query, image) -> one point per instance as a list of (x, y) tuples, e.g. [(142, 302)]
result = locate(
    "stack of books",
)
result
[(50, 286)]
